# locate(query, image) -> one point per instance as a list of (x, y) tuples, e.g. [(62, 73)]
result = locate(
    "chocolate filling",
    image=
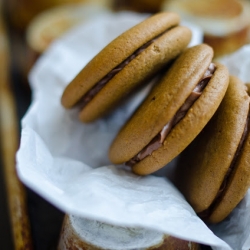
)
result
[(99, 85), (158, 140), (206, 213)]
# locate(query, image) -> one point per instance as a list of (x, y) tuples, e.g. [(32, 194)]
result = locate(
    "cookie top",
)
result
[(162, 105), (218, 18), (167, 41), (115, 53), (190, 126), (202, 176), (136, 72)]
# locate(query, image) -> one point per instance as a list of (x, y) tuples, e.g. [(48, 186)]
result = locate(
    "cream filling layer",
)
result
[(99, 85), (214, 26), (158, 140)]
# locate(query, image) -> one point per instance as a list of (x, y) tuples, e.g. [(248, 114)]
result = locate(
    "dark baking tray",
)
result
[(45, 219)]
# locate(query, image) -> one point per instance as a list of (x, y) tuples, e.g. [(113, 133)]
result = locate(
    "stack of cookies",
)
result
[(196, 108)]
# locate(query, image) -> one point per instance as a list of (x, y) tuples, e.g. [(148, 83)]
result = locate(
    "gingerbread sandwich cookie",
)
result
[(129, 60), (173, 114), (214, 171)]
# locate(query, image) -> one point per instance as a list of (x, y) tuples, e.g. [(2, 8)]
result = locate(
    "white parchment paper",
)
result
[(66, 162)]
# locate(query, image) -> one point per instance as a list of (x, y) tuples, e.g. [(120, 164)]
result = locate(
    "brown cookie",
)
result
[(81, 233), (125, 63), (214, 172), (225, 23), (173, 114)]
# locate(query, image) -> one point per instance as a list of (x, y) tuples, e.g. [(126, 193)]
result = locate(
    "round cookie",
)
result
[(160, 109), (81, 233), (225, 23), (130, 59), (214, 173)]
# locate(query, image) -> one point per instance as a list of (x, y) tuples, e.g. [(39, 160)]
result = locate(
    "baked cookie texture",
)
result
[(214, 172), (128, 61), (225, 22), (163, 103)]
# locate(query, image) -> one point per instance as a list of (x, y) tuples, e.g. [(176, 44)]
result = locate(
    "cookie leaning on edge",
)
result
[(217, 175), (126, 62), (173, 114)]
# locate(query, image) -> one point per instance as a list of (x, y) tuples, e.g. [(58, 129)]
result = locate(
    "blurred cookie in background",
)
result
[(21, 12), (148, 6), (54, 22), (225, 23)]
